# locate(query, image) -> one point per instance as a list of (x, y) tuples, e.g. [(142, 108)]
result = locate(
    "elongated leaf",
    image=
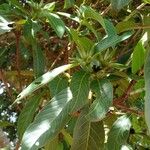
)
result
[(119, 4), (41, 81), (80, 89), (48, 122), (147, 89), (69, 3), (57, 85), (38, 60), (87, 135), (125, 25), (117, 136), (56, 23), (27, 114), (88, 12), (110, 28), (104, 97), (30, 30), (138, 57), (52, 144), (110, 41), (83, 43)]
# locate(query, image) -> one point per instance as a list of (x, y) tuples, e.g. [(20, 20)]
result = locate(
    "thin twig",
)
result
[(18, 34), (125, 95)]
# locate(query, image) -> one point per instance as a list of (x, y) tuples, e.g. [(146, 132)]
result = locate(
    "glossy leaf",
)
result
[(57, 85), (41, 81), (118, 134), (147, 89), (110, 41), (56, 23), (27, 114), (87, 135), (104, 96), (119, 4), (69, 3), (80, 86), (110, 28), (4, 25), (138, 57), (48, 122), (49, 6)]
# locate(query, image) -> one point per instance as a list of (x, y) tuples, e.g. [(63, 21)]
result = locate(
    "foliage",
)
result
[(81, 72)]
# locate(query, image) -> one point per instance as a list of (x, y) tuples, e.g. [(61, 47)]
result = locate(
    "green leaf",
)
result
[(80, 86), (118, 134), (147, 1), (50, 6), (87, 135), (41, 81), (83, 43), (88, 12), (4, 25), (27, 114), (57, 85), (147, 89), (109, 42), (30, 30), (38, 60), (138, 57), (48, 122), (4, 124), (56, 23), (52, 144), (110, 28), (104, 96), (69, 3), (125, 25), (119, 4)]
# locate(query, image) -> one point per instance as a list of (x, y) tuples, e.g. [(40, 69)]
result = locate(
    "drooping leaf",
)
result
[(88, 12), (48, 122), (41, 81), (27, 114), (104, 96), (87, 135), (119, 4), (147, 89), (30, 30), (138, 57), (57, 85), (38, 60), (56, 23), (80, 86), (118, 134), (69, 3)]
